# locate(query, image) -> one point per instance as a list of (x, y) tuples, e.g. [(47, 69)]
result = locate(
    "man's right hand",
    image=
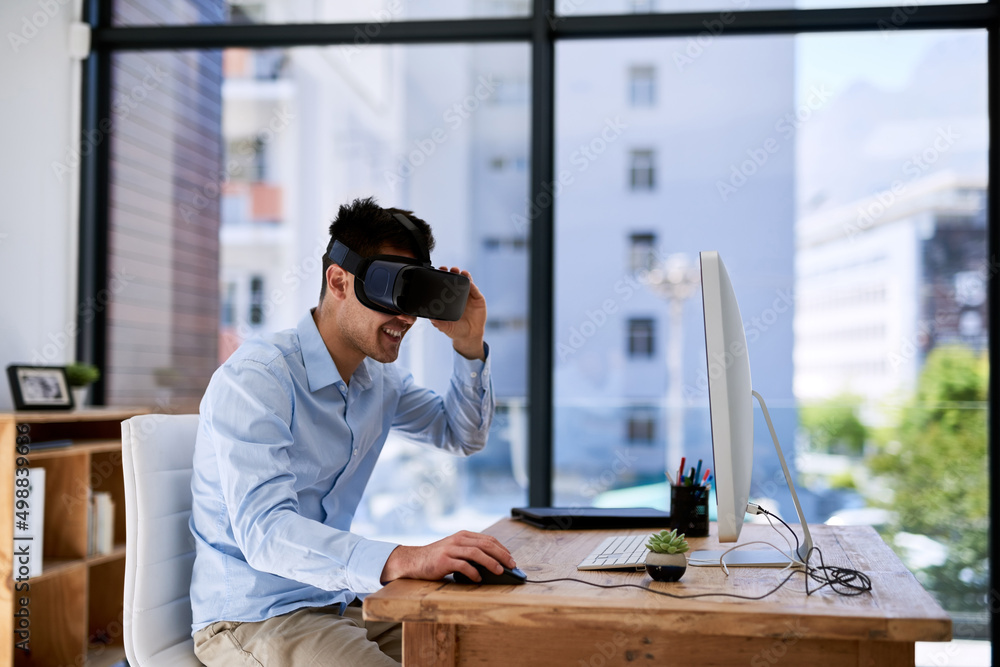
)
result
[(439, 559)]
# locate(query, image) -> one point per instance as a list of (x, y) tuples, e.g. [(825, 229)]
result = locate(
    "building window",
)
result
[(507, 323), (642, 176), (502, 162), (642, 252), (641, 332), (258, 164), (641, 427), (256, 301), (228, 309), (642, 86), (496, 244)]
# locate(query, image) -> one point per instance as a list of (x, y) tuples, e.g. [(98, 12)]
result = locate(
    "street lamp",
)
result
[(676, 280)]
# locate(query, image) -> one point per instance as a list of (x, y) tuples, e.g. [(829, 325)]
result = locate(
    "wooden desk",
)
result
[(568, 623)]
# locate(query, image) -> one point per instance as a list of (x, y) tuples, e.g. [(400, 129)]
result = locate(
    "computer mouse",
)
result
[(508, 578)]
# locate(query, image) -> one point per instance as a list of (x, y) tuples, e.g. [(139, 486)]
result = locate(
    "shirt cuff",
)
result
[(473, 372), (364, 567)]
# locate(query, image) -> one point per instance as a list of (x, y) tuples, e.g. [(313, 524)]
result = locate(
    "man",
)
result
[(290, 430)]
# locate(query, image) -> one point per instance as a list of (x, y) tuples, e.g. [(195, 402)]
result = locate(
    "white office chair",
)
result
[(157, 452)]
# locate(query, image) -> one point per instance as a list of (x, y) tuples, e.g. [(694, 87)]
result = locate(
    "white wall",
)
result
[(39, 114)]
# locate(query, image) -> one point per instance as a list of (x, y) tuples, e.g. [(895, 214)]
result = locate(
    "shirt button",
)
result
[(474, 373), (355, 451), (343, 387)]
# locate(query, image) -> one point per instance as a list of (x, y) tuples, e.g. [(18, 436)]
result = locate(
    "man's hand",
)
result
[(467, 333), (437, 560)]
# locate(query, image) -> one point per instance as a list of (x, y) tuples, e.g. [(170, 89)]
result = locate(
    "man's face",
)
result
[(374, 334)]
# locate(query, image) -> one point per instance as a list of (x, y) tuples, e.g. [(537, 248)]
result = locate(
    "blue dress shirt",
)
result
[(284, 451)]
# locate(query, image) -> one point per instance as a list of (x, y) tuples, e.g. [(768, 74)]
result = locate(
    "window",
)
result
[(641, 332), (259, 159), (641, 427), (512, 243), (228, 309), (256, 316), (502, 162), (371, 15), (436, 133), (851, 221), (497, 324), (642, 170), (642, 251), (642, 86)]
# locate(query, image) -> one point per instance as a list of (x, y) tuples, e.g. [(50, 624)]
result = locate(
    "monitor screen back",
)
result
[(729, 395)]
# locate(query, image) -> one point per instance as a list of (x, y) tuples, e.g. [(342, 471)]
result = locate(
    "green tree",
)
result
[(935, 466), (833, 426)]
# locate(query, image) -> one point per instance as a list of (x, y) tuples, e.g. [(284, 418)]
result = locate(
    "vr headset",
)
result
[(402, 285)]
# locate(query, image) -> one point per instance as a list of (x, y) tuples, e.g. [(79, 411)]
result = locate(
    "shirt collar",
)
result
[(320, 369)]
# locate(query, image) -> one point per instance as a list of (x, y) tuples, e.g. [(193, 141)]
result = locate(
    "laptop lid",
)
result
[(591, 518)]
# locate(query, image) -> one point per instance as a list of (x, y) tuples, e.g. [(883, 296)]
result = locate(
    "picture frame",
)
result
[(40, 387)]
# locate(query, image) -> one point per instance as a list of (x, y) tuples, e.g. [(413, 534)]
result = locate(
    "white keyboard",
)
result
[(617, 552)]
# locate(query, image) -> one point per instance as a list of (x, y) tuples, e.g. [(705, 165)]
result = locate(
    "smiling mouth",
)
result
[(395, 333)]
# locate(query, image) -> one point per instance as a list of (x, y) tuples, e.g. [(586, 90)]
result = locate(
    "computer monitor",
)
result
[(730, 398)]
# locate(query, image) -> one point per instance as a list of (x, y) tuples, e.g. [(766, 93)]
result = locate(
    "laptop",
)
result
[(591, 518)]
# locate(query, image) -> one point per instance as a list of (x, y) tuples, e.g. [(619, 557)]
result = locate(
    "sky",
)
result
[(885, 59)]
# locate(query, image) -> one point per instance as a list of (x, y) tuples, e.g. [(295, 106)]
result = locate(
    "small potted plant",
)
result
[(665, 560), (80, 377)]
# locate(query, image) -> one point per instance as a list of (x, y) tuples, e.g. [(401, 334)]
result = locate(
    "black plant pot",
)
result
[(665, 567)]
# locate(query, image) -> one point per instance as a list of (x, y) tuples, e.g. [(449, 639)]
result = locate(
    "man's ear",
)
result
[(338, 282)]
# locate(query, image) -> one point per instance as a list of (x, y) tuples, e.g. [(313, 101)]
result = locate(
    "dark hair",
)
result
[(367, 228)]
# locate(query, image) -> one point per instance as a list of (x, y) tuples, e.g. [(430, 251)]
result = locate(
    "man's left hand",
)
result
[(467, 333)]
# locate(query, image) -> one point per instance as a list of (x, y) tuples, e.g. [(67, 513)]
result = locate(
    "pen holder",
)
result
[(689, 510)]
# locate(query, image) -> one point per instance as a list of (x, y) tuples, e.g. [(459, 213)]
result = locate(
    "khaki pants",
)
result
[(308, 637)]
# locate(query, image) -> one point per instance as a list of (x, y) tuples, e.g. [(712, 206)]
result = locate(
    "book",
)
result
[(101, 534), (91, 523), (105, 524), (49, 444)]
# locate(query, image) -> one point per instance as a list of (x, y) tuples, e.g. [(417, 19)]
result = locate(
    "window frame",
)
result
[(640, 338), (642, 86), (641, 426), (541, 30), (642, 170)]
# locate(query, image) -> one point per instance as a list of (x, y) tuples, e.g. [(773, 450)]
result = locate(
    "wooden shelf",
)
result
[(95, 446), (52, 568), (68, 416), (104, 656), (76, 597), (117, 554)]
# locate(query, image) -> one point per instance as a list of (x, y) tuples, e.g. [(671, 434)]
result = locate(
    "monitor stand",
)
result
[(760, 557)]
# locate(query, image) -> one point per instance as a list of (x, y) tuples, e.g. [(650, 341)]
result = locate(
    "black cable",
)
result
[(842, 580), (669, 595)]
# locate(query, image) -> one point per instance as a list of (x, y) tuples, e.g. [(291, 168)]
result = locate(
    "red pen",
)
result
[(705, 478), (680, 474)]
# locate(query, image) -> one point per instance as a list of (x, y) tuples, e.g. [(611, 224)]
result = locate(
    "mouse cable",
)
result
[(669, 595)]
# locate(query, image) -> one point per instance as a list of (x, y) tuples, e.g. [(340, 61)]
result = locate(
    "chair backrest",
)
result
[(157, 453)]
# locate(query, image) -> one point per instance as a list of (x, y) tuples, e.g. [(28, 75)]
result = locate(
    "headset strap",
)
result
[(421, 245), (344, 257)]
